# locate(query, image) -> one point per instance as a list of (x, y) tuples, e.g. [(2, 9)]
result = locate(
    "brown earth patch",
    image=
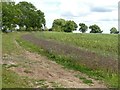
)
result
[(44, 69)]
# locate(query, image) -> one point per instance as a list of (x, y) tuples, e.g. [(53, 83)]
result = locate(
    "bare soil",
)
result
[(40, 68)]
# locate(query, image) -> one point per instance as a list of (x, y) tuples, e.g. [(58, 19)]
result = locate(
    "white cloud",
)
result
[(104, 13)]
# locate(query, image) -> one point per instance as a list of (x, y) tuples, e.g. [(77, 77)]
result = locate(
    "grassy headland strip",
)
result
[(11, 79), (44, 47)]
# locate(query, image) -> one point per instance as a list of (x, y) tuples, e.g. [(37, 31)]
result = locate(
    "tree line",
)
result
[(23, 15), (26, 16), (62, 25)]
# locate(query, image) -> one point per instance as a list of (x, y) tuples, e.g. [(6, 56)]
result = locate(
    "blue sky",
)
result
[(101, 12)]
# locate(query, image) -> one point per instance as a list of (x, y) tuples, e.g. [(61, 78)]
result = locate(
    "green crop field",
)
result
[(49, 43)]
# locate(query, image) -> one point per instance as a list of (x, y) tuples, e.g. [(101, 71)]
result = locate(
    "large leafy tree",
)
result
[(27, 10), (62, 25), (40, 20), (114, 30), (32, 17), (70, 26), (8, 15), (95, 29), (23, 14), (58, 25), (83, 28)]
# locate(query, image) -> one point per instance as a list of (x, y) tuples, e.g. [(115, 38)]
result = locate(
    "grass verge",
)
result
[(10, 79), (13, 80)]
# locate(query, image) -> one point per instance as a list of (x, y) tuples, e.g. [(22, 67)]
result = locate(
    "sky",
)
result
[(104, 13)]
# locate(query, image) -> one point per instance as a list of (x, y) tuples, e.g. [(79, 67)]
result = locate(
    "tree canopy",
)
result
[(28, 18), (83, 28), (63, 25), (23, 14), (70, 26), (95, 29), (58, 25), (113, 30)]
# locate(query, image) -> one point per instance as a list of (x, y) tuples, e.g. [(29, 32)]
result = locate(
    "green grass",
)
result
[(9, 66), (8, 43), (104, 44), (13, 80), (84, 80)]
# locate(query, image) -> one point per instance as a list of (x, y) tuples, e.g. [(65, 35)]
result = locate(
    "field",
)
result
[(94, 55)]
